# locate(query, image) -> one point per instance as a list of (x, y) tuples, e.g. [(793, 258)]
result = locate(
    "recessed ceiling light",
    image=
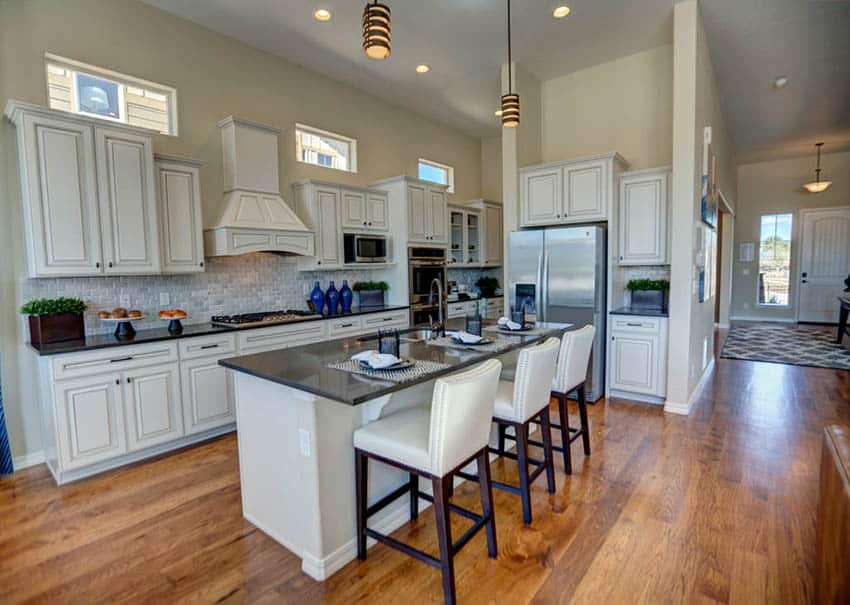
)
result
[(422, 68), (780, 82), (561, 11), (498, 112), (322, 14)]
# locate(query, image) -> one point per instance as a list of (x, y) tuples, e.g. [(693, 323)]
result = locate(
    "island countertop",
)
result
[(306, 367)]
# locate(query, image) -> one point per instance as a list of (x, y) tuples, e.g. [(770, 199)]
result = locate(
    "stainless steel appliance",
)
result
[(560, 275), (426, 265), (365, 248), (267, 318)]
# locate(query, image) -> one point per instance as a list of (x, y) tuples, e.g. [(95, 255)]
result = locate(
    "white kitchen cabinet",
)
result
[(318, 205), (541, 194), (363, 210), (439, 216), (377, 211), (638, 356), (586, 191), (494, 308), (152, 406), (643, 231), (353, 210), (281, 337), (207, 394), (90, 417), (456, 309), (373, 322), (492, 235), (179, 207), (344, 326), (418, 213), (422, 205), (464, 236)]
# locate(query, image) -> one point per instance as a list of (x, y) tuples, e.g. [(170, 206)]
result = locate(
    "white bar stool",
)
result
[(434, 444)]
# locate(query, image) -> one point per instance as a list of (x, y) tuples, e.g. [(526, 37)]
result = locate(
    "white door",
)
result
[(377, 212), (418, 213), (329, 236), (824, 263), (354, 210), (585, 192), (126, 190), (152, 406), (634, 361), (439, 216), (181, 225), (493, 235), (643, 219), (207, 395), (90, 420), (541, 197), (60, 198)]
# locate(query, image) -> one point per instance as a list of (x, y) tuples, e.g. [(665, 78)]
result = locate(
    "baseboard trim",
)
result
[(28, 460), (779, 320), (722, 326), (671, 407), (641, 397), (685, 408)]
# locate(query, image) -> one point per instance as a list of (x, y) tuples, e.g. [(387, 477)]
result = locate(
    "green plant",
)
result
[(487, 284), (370, 285), (53, 306), (642, 285)]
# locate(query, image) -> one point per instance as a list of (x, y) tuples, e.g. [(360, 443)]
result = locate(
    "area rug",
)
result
[(789, 345)]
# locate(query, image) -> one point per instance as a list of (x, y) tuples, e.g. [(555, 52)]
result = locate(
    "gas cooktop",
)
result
[(268, 318)]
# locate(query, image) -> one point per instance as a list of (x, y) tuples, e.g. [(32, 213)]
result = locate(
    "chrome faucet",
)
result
[(440, 320)]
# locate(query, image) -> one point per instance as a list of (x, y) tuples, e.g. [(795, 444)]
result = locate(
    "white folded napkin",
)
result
[(467, 338), (375, 360), (507, 323)]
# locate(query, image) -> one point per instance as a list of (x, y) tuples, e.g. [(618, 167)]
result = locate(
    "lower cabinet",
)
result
[(638, 355), (207, 394), (152, 406)]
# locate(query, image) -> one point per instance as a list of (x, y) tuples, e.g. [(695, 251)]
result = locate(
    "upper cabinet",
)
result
[(89, 195), (364, 210), (318, 205), (492, 234), (578, 191), (180, 222), (643, 224), (475, 234)]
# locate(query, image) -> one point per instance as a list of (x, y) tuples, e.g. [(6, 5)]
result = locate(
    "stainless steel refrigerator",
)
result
[(559, 274)]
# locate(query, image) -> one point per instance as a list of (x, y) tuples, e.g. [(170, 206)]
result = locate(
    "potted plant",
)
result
[(370, 293), (487, 286), (648, 293), (55, 319)]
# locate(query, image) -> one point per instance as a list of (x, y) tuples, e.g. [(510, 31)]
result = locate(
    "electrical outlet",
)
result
[(305, 441), (164, 298)]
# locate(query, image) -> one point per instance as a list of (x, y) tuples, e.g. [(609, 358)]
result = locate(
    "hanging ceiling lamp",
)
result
[(376, 30), (817, 185), (510, 101)]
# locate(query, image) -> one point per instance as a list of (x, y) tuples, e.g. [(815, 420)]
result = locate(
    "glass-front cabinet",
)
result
[(465, 237)]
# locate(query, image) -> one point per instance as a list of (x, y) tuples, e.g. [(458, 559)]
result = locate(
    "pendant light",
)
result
[(510, 101), (817, 185), (376, 30)]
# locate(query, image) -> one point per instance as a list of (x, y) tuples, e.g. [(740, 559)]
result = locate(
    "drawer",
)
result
[(625, 323), (113, 359), (456, 309), (393, 319), (206, 346), (342, 327), (281, 337)]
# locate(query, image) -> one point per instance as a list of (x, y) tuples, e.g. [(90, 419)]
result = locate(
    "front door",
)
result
[(824, 263)]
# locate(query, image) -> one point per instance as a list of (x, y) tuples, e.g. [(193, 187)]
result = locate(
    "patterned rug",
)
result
[(790, 345)]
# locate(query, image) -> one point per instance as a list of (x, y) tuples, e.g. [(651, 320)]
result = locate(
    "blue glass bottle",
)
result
[(332, 299), (318, 298), (346, 296)]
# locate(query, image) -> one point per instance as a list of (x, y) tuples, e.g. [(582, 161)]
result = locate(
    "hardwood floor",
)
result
[(715, 507)]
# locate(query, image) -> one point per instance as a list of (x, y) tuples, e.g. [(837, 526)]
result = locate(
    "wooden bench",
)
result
[(832, 577)]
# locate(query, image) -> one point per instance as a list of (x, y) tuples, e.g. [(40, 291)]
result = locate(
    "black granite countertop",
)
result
[(640, 312), (105, 341), (305, 367)]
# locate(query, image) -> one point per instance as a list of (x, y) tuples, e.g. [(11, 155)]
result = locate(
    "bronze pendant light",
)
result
[(376, 30), (817, 186), (510, 101)]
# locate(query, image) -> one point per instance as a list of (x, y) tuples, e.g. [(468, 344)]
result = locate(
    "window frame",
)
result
[(789, 304), (123, 81), (450, 173), (351, 142)]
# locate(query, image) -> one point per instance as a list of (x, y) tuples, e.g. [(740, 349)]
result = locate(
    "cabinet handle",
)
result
[(117, 381), (129, 380), (110, 264), (364, 223), (209, 346), (387, 319), (347, 326), (634, 325), (202, 263), (97, 265), (121, 359)]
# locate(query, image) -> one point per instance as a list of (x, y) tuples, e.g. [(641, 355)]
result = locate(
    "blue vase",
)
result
[(318, 298), (332, 299), (346, 296)]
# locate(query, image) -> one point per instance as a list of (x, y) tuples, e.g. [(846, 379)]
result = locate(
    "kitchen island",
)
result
[(295, 417)]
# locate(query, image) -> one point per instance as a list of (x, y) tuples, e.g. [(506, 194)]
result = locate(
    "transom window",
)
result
[(326, 149), (774, 276), (437, 173), (93, 91)]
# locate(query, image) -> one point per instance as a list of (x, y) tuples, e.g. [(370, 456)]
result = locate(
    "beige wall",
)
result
[(214, 76), (624, 105), (775, 188), (491, 168)]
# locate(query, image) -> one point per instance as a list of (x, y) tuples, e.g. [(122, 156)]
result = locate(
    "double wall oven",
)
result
[(425, 265)]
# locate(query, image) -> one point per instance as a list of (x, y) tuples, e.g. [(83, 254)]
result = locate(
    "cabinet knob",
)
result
[(202, 263), (97, 265), (129, 380), (364, 222), (319, 263), (110, 264), (370, 223), (117, 381)]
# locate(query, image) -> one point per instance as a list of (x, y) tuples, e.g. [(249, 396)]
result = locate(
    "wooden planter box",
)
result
[(45, 329), (370, 298), (649, 299)]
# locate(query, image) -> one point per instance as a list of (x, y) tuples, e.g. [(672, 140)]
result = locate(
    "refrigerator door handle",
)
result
[(539, 293), (544, 287)]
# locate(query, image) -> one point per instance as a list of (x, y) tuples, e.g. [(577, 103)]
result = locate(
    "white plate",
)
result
[(120, 319)]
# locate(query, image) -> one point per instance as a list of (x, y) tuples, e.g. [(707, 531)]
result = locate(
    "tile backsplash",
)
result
[(235, 284), (468, 277)]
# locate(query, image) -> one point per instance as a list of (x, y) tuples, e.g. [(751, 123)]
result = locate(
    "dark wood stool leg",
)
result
[(521, 431), (487, 501), (440, 487), (414, 497), (582, 410), (546, 428), (361, 481), (502, 429), (565, 432)]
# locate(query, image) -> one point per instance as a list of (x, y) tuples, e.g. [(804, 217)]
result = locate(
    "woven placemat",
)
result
[(419, 369), (498, 344)]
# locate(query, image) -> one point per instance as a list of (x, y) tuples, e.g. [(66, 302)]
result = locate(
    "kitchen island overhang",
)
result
[(295, 420)]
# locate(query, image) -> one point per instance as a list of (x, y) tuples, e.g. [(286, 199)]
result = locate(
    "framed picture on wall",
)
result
[(708, 194)]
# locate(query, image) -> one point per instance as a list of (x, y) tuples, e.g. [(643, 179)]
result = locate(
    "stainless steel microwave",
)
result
[(366, 248)]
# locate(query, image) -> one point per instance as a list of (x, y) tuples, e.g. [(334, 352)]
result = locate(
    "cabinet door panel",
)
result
[(541, 197), (354, 210), (585, 192), (418, 215), (493, 225), (127, 202), (377, 212), (181, 225), (153, 406), (61, 198), (207, 395), (635, 360), (90, 420), (643, 220), (439, 219), (329, 235)]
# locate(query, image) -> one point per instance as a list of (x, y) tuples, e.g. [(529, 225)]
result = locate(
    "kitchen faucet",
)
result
[(440, 320)]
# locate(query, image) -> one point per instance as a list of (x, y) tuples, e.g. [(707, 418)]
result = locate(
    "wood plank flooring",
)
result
[(717, 507)]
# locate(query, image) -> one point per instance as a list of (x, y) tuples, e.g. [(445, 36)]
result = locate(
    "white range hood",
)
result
[(254, 217)]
